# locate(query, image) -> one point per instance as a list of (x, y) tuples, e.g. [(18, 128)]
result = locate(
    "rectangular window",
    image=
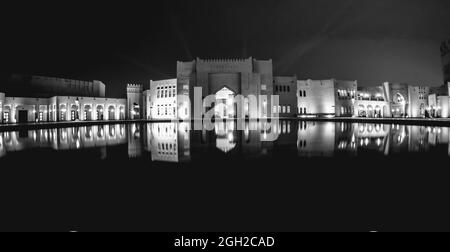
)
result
[(6, 117), (289, 109), (284, 109)]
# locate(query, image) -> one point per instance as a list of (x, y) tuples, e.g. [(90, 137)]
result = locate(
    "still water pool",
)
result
[(316, 176)]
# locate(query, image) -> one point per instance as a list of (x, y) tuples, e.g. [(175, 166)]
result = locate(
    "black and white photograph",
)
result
[(223, 123)]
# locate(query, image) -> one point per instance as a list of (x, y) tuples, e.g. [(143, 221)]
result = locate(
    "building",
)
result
[(326, 97), (405, 100), (316, 97), (223, 89), (46, 87), (285, 88), (445, 54), (345, 95), (72, 101)]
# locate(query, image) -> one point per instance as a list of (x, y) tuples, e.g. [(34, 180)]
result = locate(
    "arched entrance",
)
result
[(362, 111), (99, 111), (112, 113), (87, 113), (225, 106), (135, 112), (122, 113), (74, 113)]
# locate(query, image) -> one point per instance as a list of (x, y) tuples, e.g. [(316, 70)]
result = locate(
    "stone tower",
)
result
[(134, 101)]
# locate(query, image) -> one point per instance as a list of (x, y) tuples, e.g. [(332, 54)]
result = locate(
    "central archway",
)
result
[(225, 106)]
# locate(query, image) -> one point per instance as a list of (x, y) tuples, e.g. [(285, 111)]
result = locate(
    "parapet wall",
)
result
[(225, 65), (134, 88)]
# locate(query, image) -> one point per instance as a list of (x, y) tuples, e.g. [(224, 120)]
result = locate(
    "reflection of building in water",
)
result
[(252, 144), (226, 136), (169, 142), (345, 138), (372, 102), (287, 135), (134, 140), (369, 136), (316, 139), (418, 138), (399, 139), (63, 139)]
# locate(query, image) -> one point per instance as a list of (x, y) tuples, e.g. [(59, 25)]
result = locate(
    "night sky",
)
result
[(365, 40)]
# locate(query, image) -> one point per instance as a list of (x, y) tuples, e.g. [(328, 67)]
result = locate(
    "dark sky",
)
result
[(371, 41)]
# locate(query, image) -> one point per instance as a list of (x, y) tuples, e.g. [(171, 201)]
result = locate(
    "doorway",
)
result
[(23, 116)]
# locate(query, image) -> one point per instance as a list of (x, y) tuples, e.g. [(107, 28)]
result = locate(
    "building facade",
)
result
[(285, 88), (161, 100), (218, 87), (326, 97), (46, 87), (74, 101), (372, 102), (223, 79)]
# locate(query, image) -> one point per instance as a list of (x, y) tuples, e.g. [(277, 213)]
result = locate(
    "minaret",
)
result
[(134, 101)]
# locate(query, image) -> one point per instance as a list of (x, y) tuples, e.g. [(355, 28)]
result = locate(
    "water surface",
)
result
[(317, 176)]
